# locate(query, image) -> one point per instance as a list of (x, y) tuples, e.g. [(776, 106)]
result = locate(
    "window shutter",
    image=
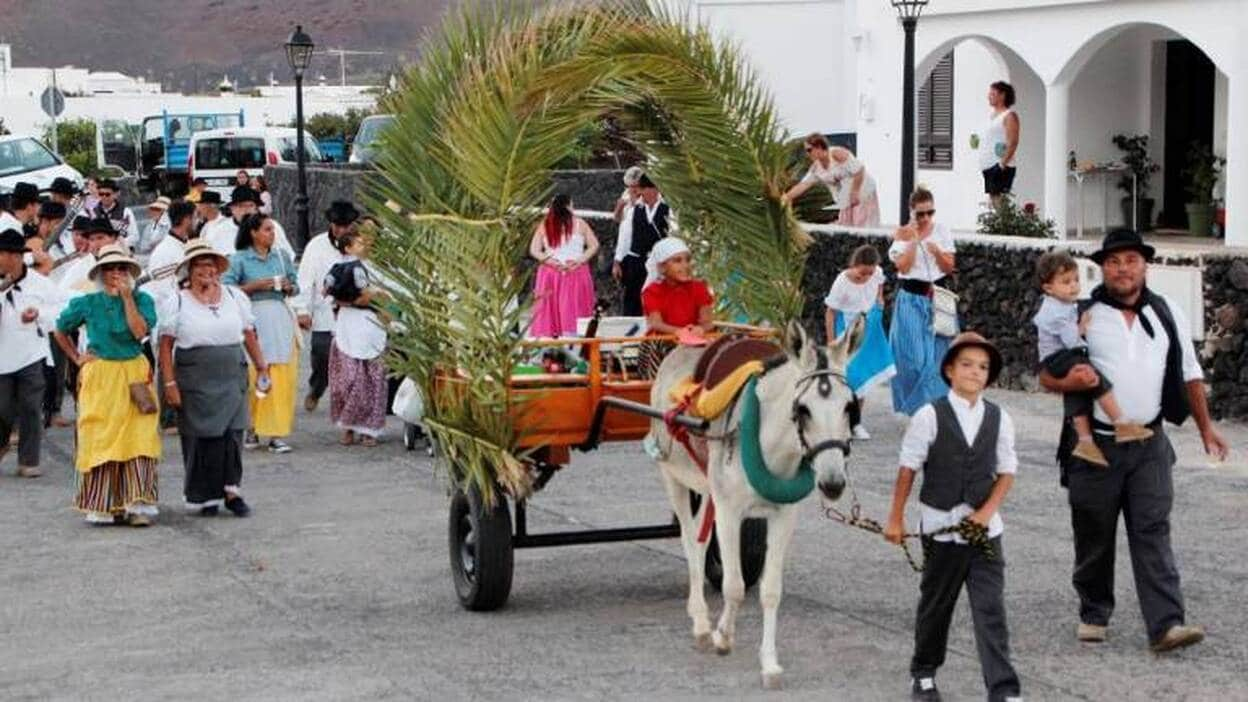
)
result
[(935, 117)]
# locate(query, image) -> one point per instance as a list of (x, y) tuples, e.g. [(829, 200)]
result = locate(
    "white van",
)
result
[(217, 155), (25, 159)]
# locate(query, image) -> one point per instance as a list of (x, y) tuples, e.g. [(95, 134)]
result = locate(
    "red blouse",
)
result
[(678, 303)]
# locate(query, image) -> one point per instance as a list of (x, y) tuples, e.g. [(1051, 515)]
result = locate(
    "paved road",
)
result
[(338, 588)]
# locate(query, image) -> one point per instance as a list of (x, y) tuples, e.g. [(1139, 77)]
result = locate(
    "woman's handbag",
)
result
[(944, 312), (142, 397)]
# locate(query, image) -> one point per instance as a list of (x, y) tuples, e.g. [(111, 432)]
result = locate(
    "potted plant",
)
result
[(1142, 166), (1202, 172)]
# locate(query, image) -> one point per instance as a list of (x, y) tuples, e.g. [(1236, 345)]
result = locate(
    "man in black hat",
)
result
[(63, 191), (28, 308), (648, 221), (316, 311), (22, 209), (244, 201), (112, 209), (1142, 342)]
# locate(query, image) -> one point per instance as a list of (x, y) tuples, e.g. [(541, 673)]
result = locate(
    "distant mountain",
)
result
[(188, 45)]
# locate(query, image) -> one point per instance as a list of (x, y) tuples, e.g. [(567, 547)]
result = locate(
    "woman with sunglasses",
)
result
[(923, 252), (118, 444), (845, 176)]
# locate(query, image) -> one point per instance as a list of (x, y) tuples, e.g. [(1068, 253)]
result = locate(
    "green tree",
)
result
[(76, 143), (4, 131), (328, 125)]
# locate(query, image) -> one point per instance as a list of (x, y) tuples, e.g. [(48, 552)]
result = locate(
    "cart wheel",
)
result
[(411, 436), (753, 555), (481, 551)]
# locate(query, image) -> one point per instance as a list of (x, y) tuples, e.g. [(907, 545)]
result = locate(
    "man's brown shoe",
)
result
[(309, 403), (28, 472), (1178, 636), (1091, 633)]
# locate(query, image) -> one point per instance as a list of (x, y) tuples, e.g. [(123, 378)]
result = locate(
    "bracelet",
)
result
[(171, 383)]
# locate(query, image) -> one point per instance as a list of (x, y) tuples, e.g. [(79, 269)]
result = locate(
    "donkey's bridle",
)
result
[(825, 378)]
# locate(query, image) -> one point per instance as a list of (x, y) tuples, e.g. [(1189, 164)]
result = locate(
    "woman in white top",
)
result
[(204, 329), (846, 177), (1000, 143), (859, 292), (923, 252), (357, 367), (563, 290)]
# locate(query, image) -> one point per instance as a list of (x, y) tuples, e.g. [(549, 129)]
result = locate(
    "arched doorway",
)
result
[(965, 66), (1164, 86)]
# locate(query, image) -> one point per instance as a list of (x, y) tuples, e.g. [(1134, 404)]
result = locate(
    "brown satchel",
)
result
[(142, 397)]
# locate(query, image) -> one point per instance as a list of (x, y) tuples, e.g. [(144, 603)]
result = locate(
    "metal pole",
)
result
[(907, 121), (301, 202), (56, 138)]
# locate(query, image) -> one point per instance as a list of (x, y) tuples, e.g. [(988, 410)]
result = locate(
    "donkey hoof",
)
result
[(773, 680), (723, 644), (702, 643)]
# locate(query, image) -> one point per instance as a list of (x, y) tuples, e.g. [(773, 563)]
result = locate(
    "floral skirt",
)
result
[(357, 392)]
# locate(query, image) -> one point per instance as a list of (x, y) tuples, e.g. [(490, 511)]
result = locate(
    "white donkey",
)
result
[(803, 415)]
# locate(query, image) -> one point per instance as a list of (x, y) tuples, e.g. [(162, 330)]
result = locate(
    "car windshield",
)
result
[(25, 155), (371, 128), (229, 152), (289, 146)]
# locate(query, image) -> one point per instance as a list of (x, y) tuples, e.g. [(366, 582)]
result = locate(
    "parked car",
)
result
[(364, 146), (218, 155), (165, 143), (26, 159)]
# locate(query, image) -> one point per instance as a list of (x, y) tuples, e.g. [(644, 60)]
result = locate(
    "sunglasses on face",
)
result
[(920, 214), (104, 193)]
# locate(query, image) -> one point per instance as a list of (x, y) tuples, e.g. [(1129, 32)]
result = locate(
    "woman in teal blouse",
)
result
[(118, 443), (268, 276)]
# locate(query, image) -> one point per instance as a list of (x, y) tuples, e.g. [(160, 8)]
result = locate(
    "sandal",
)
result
[(347, 438), (368, 441)]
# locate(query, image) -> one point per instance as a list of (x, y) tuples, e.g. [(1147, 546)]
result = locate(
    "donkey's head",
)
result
[(808, 406)]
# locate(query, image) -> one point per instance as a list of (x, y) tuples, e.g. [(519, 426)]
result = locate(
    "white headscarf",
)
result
[(665, 248)]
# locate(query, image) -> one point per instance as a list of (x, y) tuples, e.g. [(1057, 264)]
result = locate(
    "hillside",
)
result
[(188, 45)]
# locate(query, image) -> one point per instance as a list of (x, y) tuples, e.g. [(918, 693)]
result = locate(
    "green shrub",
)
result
[(76, 143), (1008, 219)]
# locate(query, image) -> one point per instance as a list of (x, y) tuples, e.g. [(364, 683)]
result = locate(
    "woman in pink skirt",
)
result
[(563, 245), (843, 174)]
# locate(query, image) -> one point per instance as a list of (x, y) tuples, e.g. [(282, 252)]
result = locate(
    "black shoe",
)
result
[(238, 507), (209, 511), (924, 689)]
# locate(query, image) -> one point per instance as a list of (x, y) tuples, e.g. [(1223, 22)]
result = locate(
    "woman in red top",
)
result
[(673, 299)]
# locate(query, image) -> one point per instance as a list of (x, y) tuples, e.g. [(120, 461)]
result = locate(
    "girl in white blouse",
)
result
[(857, 292)]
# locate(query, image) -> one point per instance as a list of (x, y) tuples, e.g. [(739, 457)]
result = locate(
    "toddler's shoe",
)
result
[(1087, 450), (1131, 431)]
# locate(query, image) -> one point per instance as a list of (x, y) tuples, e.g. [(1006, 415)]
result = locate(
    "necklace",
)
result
[(204, 298)]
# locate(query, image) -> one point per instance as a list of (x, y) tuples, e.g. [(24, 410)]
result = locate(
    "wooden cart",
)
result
[(564, 411)]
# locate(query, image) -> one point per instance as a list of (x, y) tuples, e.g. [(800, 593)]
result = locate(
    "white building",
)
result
[(1085, 70)]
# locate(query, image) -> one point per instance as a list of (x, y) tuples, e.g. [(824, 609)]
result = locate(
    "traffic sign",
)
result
[(52, 101)]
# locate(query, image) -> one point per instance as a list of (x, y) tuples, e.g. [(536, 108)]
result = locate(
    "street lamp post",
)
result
[(908, 11), (299, 53)]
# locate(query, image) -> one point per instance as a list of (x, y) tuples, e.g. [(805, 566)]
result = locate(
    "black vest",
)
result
[(955, 472), (646, 234)]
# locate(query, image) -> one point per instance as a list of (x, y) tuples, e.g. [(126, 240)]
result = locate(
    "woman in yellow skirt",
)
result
[(268, 277), (118, 441)]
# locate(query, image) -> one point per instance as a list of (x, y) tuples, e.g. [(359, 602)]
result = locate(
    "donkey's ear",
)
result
[(797, 341), (844, 348)]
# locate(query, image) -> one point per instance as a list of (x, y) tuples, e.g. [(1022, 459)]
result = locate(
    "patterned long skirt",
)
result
[(357, 393), (118, 446)]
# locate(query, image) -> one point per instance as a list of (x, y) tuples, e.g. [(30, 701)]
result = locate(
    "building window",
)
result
[(936, 117)]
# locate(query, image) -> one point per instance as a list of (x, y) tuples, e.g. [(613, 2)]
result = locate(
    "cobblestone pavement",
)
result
[(338, 588)]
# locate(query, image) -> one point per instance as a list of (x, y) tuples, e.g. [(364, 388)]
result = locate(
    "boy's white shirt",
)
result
[(918, 440)]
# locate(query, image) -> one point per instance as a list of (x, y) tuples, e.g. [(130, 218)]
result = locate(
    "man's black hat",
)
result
[(80, 224), (63, 186), (645, 182), (210, 197), (244, 194), (1122, 240), (12, 241), (100, 225), (342, 213)]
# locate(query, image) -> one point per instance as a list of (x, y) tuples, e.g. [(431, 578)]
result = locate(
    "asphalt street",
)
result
[(338, 588)]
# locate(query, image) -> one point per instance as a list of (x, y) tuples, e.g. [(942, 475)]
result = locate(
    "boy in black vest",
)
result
[(964, 445)]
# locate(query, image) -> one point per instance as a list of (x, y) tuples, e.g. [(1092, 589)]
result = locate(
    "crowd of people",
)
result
[(203, 341)]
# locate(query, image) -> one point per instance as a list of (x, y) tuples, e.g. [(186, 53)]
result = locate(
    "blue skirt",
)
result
[(917, 353), (872, 364)]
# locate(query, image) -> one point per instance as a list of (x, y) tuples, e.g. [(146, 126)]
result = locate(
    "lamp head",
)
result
[(299, 50), (909, 9)]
